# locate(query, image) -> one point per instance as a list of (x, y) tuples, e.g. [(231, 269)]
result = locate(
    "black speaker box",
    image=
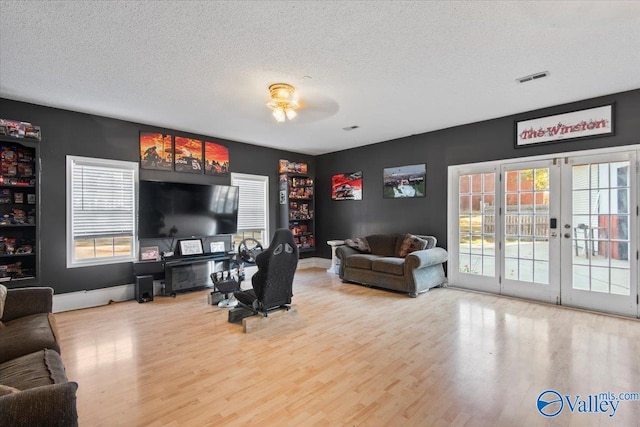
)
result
[(144, 288)]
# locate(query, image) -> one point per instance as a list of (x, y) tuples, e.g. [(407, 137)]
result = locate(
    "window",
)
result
[(101, 211), (253, 207)]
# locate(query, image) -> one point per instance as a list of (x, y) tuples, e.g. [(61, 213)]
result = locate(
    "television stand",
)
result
[(186, 273)]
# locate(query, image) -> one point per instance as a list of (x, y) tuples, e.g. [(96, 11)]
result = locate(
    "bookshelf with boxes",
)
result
[(297, 208), (18, 206)]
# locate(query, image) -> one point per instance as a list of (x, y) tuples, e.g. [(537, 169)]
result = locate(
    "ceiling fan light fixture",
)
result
[(291, 113), (283, 102), (279, 114)]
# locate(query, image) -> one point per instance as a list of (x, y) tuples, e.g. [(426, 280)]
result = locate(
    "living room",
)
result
[(70, 131)]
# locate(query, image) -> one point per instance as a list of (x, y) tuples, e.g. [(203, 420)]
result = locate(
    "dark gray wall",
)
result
[(476, 142), (66, 132), (70, 133)]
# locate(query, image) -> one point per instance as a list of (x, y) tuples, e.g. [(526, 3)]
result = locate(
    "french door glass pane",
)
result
[(476, 223), (526, 224), (601, 227)]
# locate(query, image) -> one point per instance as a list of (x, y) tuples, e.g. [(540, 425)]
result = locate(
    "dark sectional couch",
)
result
[(34, 389), (382, 266)]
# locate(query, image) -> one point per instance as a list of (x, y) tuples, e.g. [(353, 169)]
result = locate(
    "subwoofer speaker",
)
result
[(144, 288)]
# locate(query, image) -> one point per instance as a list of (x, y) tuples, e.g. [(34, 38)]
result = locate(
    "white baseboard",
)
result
[(314, 262), (98, 297), (94, 298)]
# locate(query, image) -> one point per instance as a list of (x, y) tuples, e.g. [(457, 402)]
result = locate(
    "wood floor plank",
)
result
[(355, 356)]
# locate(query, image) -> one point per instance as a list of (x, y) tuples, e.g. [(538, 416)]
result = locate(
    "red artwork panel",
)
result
[(188, 155), (156, 151), (216, 159), (347, 186)]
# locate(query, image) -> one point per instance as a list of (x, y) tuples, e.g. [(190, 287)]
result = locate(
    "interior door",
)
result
[(599, 219), (530, 243)]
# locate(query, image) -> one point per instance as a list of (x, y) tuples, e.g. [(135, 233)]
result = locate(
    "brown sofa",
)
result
[(382, 264), (34, 389)]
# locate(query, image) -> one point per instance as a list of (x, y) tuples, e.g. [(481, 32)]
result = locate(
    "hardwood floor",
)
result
[(353, 356)]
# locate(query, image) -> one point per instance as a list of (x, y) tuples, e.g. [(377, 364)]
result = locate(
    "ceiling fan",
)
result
[(285, 103)]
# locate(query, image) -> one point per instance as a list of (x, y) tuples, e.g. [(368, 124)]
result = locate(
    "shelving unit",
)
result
[(297, 208), (18, 208)]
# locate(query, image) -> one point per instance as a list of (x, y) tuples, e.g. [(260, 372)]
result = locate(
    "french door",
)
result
[(530, 243), (599, 233), (561, 230)]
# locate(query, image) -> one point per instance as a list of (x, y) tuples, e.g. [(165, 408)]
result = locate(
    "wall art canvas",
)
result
[(293, 167), (156, 151), (216, 159), (404, 181), (188, 154), (347, 186)]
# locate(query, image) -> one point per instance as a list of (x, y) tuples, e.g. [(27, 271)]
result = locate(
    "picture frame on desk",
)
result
[(149, 253), (216, 247), (191, 247)]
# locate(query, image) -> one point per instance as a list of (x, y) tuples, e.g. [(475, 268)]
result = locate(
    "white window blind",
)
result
[(253, 202), (102, 208)]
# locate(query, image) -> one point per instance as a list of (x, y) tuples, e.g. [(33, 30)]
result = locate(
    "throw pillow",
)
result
[(3, 297), (359, 244), (5, 389), (411, 243)]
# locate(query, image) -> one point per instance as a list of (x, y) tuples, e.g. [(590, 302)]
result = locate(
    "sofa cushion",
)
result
[(26, 335), (37, 369), (383, 244), (431, 241), (390, 265), (411, 243), (360, 261), (358, 243), (52, 405)]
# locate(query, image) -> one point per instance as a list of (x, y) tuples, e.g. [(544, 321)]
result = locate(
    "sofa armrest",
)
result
[(342, 252), (26, 301), (49, 405), (426, 258)]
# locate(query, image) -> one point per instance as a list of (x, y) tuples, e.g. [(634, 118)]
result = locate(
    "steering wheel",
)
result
[(249, 249)]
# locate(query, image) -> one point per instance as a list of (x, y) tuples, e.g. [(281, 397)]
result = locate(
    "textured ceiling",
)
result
[(393, 68)]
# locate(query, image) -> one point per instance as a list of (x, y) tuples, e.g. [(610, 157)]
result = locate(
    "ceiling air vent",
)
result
[(535, 76)]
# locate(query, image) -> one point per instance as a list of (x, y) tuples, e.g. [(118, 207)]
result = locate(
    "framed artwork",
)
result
[(216, 159), (149, 253), (404, 181), (191, 247), (346, 186), (293, 167), (587, 123), (216, 247), (188, 155), (156, 151)]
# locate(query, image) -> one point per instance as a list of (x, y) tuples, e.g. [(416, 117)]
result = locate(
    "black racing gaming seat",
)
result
[(273, 282)]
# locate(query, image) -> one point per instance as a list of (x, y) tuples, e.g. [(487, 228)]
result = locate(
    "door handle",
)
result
[(567, 235), (554, 234)]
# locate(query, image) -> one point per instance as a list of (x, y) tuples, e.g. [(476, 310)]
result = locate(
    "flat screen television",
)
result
[(176, 210)]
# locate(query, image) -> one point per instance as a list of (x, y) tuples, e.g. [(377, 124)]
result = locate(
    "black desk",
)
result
[(184, 273)]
